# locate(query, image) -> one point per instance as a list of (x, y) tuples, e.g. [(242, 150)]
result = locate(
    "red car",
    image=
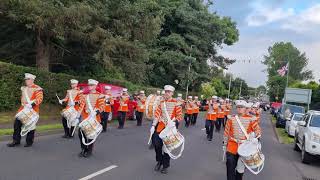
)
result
[(116, 91)]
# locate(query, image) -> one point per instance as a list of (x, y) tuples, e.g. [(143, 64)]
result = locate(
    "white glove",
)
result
[(152, 129), (171, 124), (71, 103), (29, 106), (60, 102)]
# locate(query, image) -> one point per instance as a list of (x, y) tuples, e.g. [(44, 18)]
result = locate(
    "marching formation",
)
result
[(90, 110)]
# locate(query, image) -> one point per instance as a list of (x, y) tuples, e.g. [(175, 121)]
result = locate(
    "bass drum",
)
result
[(152, 103)]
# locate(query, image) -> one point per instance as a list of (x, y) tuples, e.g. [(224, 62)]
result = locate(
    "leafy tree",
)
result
[(278, 56), (207, 90)]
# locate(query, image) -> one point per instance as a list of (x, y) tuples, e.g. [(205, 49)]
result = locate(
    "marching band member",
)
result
[(140, 107), (75, 94), (189, 111), (233, 137), (95, 101), (123, 109), (197, 105), (225, 112), (31, 98), (168, 107), (181, 103), (216, 107), (107, 109), (211, 118), (220, 114)]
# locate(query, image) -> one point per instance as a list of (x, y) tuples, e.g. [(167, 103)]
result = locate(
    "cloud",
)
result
[(307, 20), (264, 15)]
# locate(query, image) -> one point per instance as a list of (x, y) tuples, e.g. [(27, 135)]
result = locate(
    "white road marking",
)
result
[(99, 172)]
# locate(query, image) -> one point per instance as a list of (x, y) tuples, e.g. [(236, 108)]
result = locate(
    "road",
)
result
[(123, 154)]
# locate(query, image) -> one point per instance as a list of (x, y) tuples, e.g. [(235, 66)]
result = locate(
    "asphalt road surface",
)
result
[(124, 155)]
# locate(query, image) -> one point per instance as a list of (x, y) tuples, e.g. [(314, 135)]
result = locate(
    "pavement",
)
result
[(124, 155)]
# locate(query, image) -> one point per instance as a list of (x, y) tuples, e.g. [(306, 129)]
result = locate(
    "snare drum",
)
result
[(251, 156), (91, 128), (70, 114), (28, 118)]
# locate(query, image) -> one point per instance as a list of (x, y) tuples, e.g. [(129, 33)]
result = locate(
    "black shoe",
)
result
[(81, 153), (27, 145), (13, 144), (209, 139), (104, 131), (157, 167), (65, 136), (164, 170), (87, 154)]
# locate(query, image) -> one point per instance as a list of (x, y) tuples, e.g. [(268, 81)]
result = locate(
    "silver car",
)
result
[(291, 124)]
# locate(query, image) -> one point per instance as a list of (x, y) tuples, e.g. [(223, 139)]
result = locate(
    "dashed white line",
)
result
[(99, 172)]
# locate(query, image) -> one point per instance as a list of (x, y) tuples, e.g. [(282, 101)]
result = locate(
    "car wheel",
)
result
[(305, 156), (296, 147)]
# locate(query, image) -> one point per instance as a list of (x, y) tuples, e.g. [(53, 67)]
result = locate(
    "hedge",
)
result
[(12, 78)]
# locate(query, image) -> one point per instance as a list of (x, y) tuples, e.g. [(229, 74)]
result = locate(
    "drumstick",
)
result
[(58, 97)]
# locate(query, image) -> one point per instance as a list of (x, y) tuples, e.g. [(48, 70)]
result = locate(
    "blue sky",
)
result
[(262, 23)]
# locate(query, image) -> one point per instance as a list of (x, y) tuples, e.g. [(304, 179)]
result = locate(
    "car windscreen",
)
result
[(298, 117), (315, 121)]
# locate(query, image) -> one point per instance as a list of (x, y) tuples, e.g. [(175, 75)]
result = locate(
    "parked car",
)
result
[(285, 113), (307, 136), (292, 124)]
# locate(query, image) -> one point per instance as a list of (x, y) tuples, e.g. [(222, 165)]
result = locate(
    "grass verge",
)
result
[(282, 135), (40, 128)]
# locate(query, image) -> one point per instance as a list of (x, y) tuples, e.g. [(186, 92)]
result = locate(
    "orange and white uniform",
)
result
[(174, 110), (141, 104), (96, 100), (76, 97), (233, 135), (221, 109), (189, 107), (109, 101), (212, 111), (196, 108), (124, 101), (35, 94)]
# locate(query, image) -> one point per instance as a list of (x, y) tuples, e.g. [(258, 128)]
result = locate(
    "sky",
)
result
[(261, 23)]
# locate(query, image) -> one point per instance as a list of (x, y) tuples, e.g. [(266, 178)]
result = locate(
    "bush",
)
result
[(12, 78)]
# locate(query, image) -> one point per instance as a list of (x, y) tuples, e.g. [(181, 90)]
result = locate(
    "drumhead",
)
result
[(247, 148)]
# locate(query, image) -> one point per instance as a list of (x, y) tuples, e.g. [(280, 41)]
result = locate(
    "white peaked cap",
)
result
[(74, 81), (93, 82), (124, 90), (162, 92), (158, 92), (29, 76), (241, 103), (169, 88), (196, 97), (189, 97), (179, 95), (249, 105), (141, 92), (227, 99), (214, 97), (107, 87)]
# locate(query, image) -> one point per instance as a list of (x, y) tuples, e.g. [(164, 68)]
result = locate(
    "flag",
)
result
[(282, 71)]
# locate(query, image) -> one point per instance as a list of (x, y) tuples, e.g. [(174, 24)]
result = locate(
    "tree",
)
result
[(207, 90), (278, 56), (189, 30), (51, 21)]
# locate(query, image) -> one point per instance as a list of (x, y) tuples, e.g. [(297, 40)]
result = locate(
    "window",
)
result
[(315, 121), (298, 117)]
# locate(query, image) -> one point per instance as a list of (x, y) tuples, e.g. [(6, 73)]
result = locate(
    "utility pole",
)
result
[(240, 89), (229, 86), (189, 69)]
